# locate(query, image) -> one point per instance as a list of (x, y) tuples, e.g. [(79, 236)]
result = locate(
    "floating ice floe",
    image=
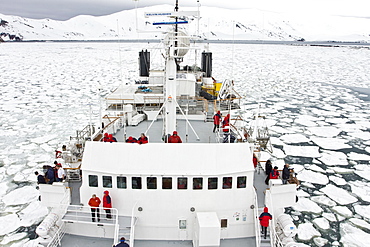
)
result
[(367, 149), (301, 193), (353, 236), (34, 213), (339, 195), (14, 169), (20, 196), (321, 223), (302, 151), (337, 180), (330, 217), (278, 153), (319, 241), (280, 130), (306, 231), (360, 134), (306, 205), (43, 139), (294, 138), (316, 168), (360, 223), (342, 170), (333, 158), (9, 223), (342, 210), (312, 177), (363, 210), (361, 189), (276, 141), (12, 237), (306, 120), (330, 143), (324, 131), (357, 156), (323, 200)]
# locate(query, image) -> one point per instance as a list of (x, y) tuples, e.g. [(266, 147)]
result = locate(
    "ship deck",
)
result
[(206, 135)]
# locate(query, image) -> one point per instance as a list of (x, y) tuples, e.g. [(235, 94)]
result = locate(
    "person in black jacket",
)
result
[(268, 169), (122, 243), (40, 178), (286, 174)]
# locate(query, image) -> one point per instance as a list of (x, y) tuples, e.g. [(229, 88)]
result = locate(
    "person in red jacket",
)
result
[(94, 203), (107, 204), (265, 218), (106, 137), (274, 174), (226, 123), (142, 139), (216, 121), (174, 138)]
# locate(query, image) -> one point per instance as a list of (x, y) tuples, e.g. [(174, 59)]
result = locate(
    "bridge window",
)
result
[(167, 183), (182, 224), (182, 183), (121, 183), (197, 183), (93, 180), (242, 182), (151, 183), (107, 181), (136, 182), (227, 182), (212, 183)]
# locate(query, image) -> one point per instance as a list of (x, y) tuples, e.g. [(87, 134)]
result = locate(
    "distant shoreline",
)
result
[(268, 42)]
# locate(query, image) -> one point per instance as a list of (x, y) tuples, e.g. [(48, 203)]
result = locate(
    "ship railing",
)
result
[(256, 222), (274, 237), (133, 223), (57, 238), (80, 213)]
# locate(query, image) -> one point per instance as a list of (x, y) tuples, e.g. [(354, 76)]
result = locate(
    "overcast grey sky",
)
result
[(65, 9)]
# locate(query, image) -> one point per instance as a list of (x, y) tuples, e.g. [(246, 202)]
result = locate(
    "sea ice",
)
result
[(361, 189), (360, 223), (302, 151), (324, 131), (331, 143), (342, 210), (301, 193), (13, 237), (306, 205), (43, 139), (34, 213), (316, 168), (339, 195), (306, 120), (338, 181), (321, 223), (276, 141), (306, 231), (333, 158), (330, 217), (21, 196), (360, 134), (363, 210), (357, 156), (342, 170), (9, 223), (319, 241), (294, 138), (313, 177), (353, 236), (364, 174), (323, 200)]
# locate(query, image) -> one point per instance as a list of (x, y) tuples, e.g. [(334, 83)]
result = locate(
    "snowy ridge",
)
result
[(216, 24)]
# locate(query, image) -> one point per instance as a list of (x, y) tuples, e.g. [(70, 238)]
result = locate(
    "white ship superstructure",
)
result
[(204, 191)]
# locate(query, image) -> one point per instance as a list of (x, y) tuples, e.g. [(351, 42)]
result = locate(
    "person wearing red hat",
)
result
[(174, 138), (106, 137), (131, 140), (107, 204), (216, 121), (265, 218)]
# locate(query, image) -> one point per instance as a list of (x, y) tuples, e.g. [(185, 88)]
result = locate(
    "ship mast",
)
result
[(170, 86)]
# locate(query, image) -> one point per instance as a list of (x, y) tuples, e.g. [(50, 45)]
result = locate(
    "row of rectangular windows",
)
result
[(182, 182)]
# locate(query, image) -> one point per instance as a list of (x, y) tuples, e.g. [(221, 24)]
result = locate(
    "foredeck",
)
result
[(204, 130)]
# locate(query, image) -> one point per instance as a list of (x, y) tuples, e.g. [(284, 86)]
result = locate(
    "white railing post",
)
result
[(256, 222)]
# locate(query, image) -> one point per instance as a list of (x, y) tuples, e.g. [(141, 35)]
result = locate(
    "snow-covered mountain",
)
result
[(215, 24)]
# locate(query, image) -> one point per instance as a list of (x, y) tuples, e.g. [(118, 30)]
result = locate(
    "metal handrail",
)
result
[(57, 238), (133, 223), (274, 239), (256, 222)]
